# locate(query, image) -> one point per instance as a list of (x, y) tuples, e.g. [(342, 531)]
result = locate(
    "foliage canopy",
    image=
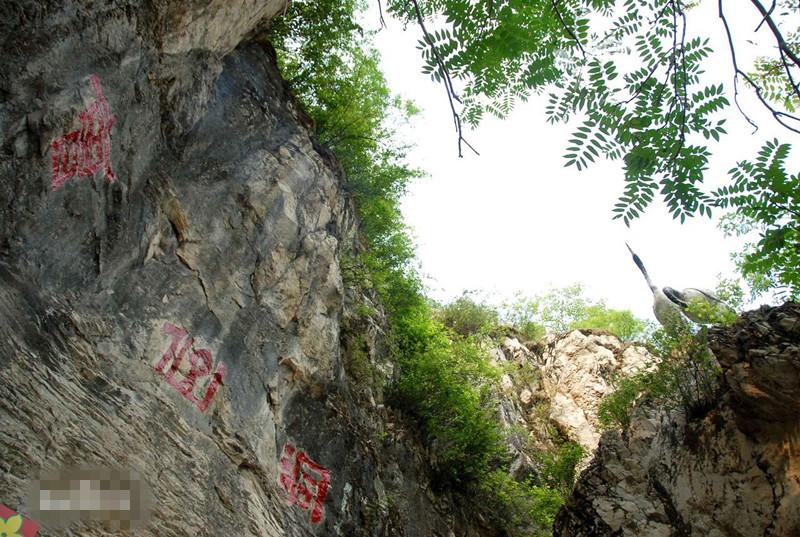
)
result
[(631, 74)]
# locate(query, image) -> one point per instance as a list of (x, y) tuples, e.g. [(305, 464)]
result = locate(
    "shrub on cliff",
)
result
[(686, 378), (447, 384), (568, 308), (467, 316)]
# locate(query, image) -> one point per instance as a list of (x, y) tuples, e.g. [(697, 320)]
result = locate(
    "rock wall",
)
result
[(579, 369), (171, 299), (551, 393), (734, 472)]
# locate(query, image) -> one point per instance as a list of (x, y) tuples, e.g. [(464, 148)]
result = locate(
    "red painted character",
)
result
[(87, 150), (200, 361), (305, 482)]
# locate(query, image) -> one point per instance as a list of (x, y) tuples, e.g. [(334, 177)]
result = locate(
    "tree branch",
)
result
[(380, 12), (782, 44), (777, 114), (789, 75), (769, 13), (448, 82), (567, 28)]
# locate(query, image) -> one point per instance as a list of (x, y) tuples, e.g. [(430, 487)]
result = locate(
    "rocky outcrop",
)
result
[(732, 472), (579, 369), (560, 385), (520, 392), (171, 297)]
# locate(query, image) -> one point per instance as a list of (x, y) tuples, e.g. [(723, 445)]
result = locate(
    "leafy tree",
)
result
[(552, 311), (767, 200), (621, 323), (632, 76), (560, 310)]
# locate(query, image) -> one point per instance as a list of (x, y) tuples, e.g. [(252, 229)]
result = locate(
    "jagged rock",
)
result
[(578, 371), (171, 296), (760, 356), (731, 472), (515, 395), (563, 386)]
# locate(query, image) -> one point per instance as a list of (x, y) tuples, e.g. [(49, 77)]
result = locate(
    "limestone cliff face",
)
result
[(733, 472), (171, 299), (579, 369), (561, 386)]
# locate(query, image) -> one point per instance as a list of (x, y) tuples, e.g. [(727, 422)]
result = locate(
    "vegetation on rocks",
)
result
[(444, 377), (686, 377), (658, 118)]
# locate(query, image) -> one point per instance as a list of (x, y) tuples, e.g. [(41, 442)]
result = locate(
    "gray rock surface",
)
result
[(167, 223), (733, 472)]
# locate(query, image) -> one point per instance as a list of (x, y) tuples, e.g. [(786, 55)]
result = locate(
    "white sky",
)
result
[(514, 219)]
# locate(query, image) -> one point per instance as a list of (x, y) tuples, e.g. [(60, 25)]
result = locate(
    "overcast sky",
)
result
[(514, 219)]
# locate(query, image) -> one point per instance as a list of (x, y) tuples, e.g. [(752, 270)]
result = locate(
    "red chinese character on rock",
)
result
[(305, 482), (200, 360), (87, 150)]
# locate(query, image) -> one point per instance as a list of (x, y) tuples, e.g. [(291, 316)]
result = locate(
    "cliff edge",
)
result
[(732, 472)]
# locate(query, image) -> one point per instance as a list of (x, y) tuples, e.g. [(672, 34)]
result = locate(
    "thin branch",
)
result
[(644, 82), (787, 208), (567, 28), (777, 114), (679, 97), (448, 82), (769, 14), (789, 75), (685, 92), (782, 44), (380, 12)]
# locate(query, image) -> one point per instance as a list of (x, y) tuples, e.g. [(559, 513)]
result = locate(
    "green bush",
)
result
[(616, 408), (447, 384), (521, 504), (467, 317), (559, 467), (534, 503), (686, 377)]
